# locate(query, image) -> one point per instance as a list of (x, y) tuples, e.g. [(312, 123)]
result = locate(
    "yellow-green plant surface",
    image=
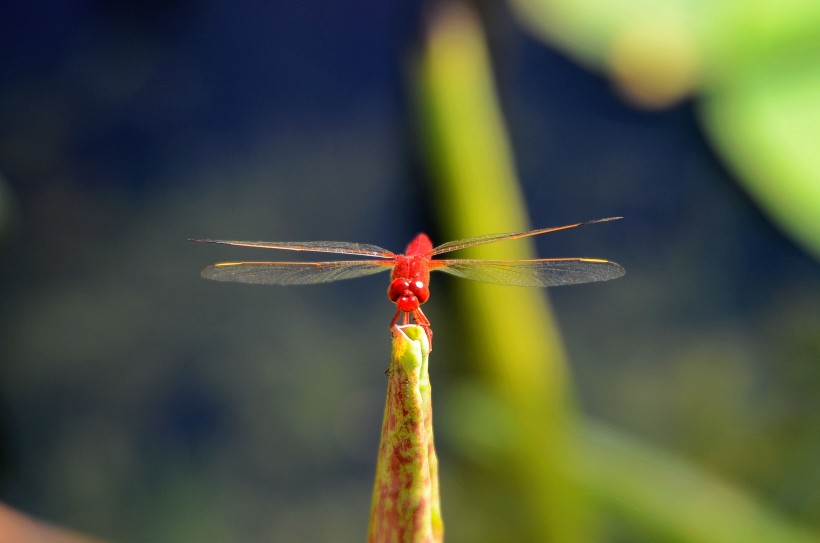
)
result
[(405, 507)]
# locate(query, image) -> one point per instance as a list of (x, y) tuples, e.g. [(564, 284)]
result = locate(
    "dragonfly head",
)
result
[(408, 295)]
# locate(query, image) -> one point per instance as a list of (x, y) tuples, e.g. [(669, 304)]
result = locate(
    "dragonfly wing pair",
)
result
[(521, 273), (547, 272)]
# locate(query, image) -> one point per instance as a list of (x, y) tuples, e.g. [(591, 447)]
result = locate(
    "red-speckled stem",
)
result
[(405, 494)]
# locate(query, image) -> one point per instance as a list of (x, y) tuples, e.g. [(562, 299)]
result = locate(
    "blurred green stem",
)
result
[(511, 342)]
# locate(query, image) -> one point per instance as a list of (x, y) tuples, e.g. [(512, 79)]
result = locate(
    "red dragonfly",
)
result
[(410, 276)]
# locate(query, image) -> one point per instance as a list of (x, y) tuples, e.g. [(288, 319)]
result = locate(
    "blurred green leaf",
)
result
[(742, 36), (650, 48), (754, 62), (672, 499), (766, 124)]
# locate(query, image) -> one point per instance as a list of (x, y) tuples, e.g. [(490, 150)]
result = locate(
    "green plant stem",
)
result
[(406, 504)]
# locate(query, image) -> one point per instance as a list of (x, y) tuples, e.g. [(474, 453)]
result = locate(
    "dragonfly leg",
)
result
[(422, 320), (419, 317), (393, 324)]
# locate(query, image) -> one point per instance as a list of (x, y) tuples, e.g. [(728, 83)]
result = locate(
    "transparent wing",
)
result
[(546, 272), (492, 238), (292, 273), (340, 247)]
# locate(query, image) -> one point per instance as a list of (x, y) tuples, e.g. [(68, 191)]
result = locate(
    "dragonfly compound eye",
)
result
[(397, 288), (421, 290)]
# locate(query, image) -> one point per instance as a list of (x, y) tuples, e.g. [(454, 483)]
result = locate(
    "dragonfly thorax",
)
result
[(411, 268)]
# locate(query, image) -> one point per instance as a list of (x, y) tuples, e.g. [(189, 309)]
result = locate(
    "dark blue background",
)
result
[(141, 403)]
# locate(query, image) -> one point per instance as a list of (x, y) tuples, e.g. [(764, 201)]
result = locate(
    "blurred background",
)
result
[(139, 402)]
